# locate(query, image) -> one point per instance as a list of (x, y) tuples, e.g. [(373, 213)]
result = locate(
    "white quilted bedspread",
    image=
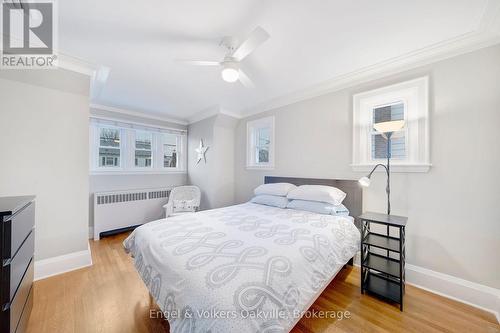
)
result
[(243, 268)]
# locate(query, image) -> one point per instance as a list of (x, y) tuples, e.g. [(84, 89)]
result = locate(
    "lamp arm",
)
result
[(388, 186), (375, 167)]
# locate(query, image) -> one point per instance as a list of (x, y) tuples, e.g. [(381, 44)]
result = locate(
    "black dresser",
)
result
[(17, 237)]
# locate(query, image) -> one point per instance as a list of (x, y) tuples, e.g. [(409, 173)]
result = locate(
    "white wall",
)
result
[(453, 210), (44, 151), (101, 183), (216, 177)]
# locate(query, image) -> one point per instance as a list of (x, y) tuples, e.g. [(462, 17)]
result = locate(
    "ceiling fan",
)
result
[(231, 71)]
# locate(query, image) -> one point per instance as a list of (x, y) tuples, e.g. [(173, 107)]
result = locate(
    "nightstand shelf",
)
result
[(382, 242), (382, 264), (383, 287), (383, 256)]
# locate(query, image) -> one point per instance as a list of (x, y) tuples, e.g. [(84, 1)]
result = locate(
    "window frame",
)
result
[(252, 129), (128, 148), (414, 95)]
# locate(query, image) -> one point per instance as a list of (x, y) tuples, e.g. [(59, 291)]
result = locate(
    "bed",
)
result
[(244, 268)]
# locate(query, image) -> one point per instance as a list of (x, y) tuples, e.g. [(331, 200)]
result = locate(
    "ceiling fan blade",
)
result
[(198, 62), (245, 80), (256, 38)]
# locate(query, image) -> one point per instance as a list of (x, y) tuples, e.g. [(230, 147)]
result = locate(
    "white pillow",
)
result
[(270, 200), (319, 193), (280, 189)]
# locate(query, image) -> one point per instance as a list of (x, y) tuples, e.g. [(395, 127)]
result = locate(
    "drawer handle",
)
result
[(6, 262)]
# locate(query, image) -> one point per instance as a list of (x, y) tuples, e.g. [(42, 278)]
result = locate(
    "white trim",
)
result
[(485, 34), (210, 112), (230, 113), (394, 167), (75, 64), (134, 113), (148, 126), (262, 167), (204, 114), (68, 62), (471, 293), (460, 290), (415, 97), (61, 264), (143, 171)]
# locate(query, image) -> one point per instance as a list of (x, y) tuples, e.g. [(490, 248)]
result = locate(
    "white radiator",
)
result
[(122, 209)]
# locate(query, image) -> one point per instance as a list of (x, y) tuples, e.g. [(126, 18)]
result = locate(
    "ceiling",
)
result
[(311, 42)]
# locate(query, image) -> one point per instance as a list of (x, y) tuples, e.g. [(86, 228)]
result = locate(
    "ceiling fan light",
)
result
[(230, 74)]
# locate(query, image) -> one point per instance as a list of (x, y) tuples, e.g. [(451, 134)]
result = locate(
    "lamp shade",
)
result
[(364, 181), (389, 126)]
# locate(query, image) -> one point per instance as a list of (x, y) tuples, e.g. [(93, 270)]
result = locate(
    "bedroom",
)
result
[(152, 164)]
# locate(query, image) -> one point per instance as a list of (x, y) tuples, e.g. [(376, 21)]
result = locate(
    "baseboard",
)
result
[(61, 264), (471, 293)]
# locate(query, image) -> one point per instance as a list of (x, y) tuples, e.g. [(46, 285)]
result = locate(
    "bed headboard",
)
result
[(353, 200)]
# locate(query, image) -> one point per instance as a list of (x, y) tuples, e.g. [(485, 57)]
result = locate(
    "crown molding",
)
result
[(66, 61), (210, 112), (486, 33), (230, 113), (77, 65), (137, 114)]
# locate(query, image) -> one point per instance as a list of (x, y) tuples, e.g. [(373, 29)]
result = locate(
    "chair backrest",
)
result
[(187, 193)]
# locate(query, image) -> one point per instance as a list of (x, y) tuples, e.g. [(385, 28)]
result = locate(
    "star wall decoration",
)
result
[(201, 150)]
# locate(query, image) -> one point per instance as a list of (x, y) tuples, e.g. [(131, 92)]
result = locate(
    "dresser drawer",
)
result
[(16, 228), (25, 316), (21, 298), (14, 270)]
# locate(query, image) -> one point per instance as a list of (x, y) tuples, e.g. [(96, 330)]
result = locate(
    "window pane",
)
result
[(109, 147), (398, 140), (143, 154), (109, 157), (398, 146), (109, 137), (262, 155), (143, 140), (169, 156), (388, 113), (263, 136), (169, 150)]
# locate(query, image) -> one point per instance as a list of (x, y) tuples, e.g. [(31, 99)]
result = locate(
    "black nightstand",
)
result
[(383, 256)]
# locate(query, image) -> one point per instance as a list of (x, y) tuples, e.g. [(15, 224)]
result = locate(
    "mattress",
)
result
[(243, 268)]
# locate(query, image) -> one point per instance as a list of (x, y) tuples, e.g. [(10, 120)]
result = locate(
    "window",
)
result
[(117, 147), (406, 101), (169, 151), (260, 143), (143, 149), (109, 147)]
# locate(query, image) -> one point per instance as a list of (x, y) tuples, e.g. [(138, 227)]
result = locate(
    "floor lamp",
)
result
[(387, 129)]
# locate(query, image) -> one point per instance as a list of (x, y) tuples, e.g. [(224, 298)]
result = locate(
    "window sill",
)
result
[(134, 172), (394, 167), (260, 167)]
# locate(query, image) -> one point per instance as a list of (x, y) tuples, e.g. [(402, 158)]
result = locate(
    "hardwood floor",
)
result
[(110, 297)]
